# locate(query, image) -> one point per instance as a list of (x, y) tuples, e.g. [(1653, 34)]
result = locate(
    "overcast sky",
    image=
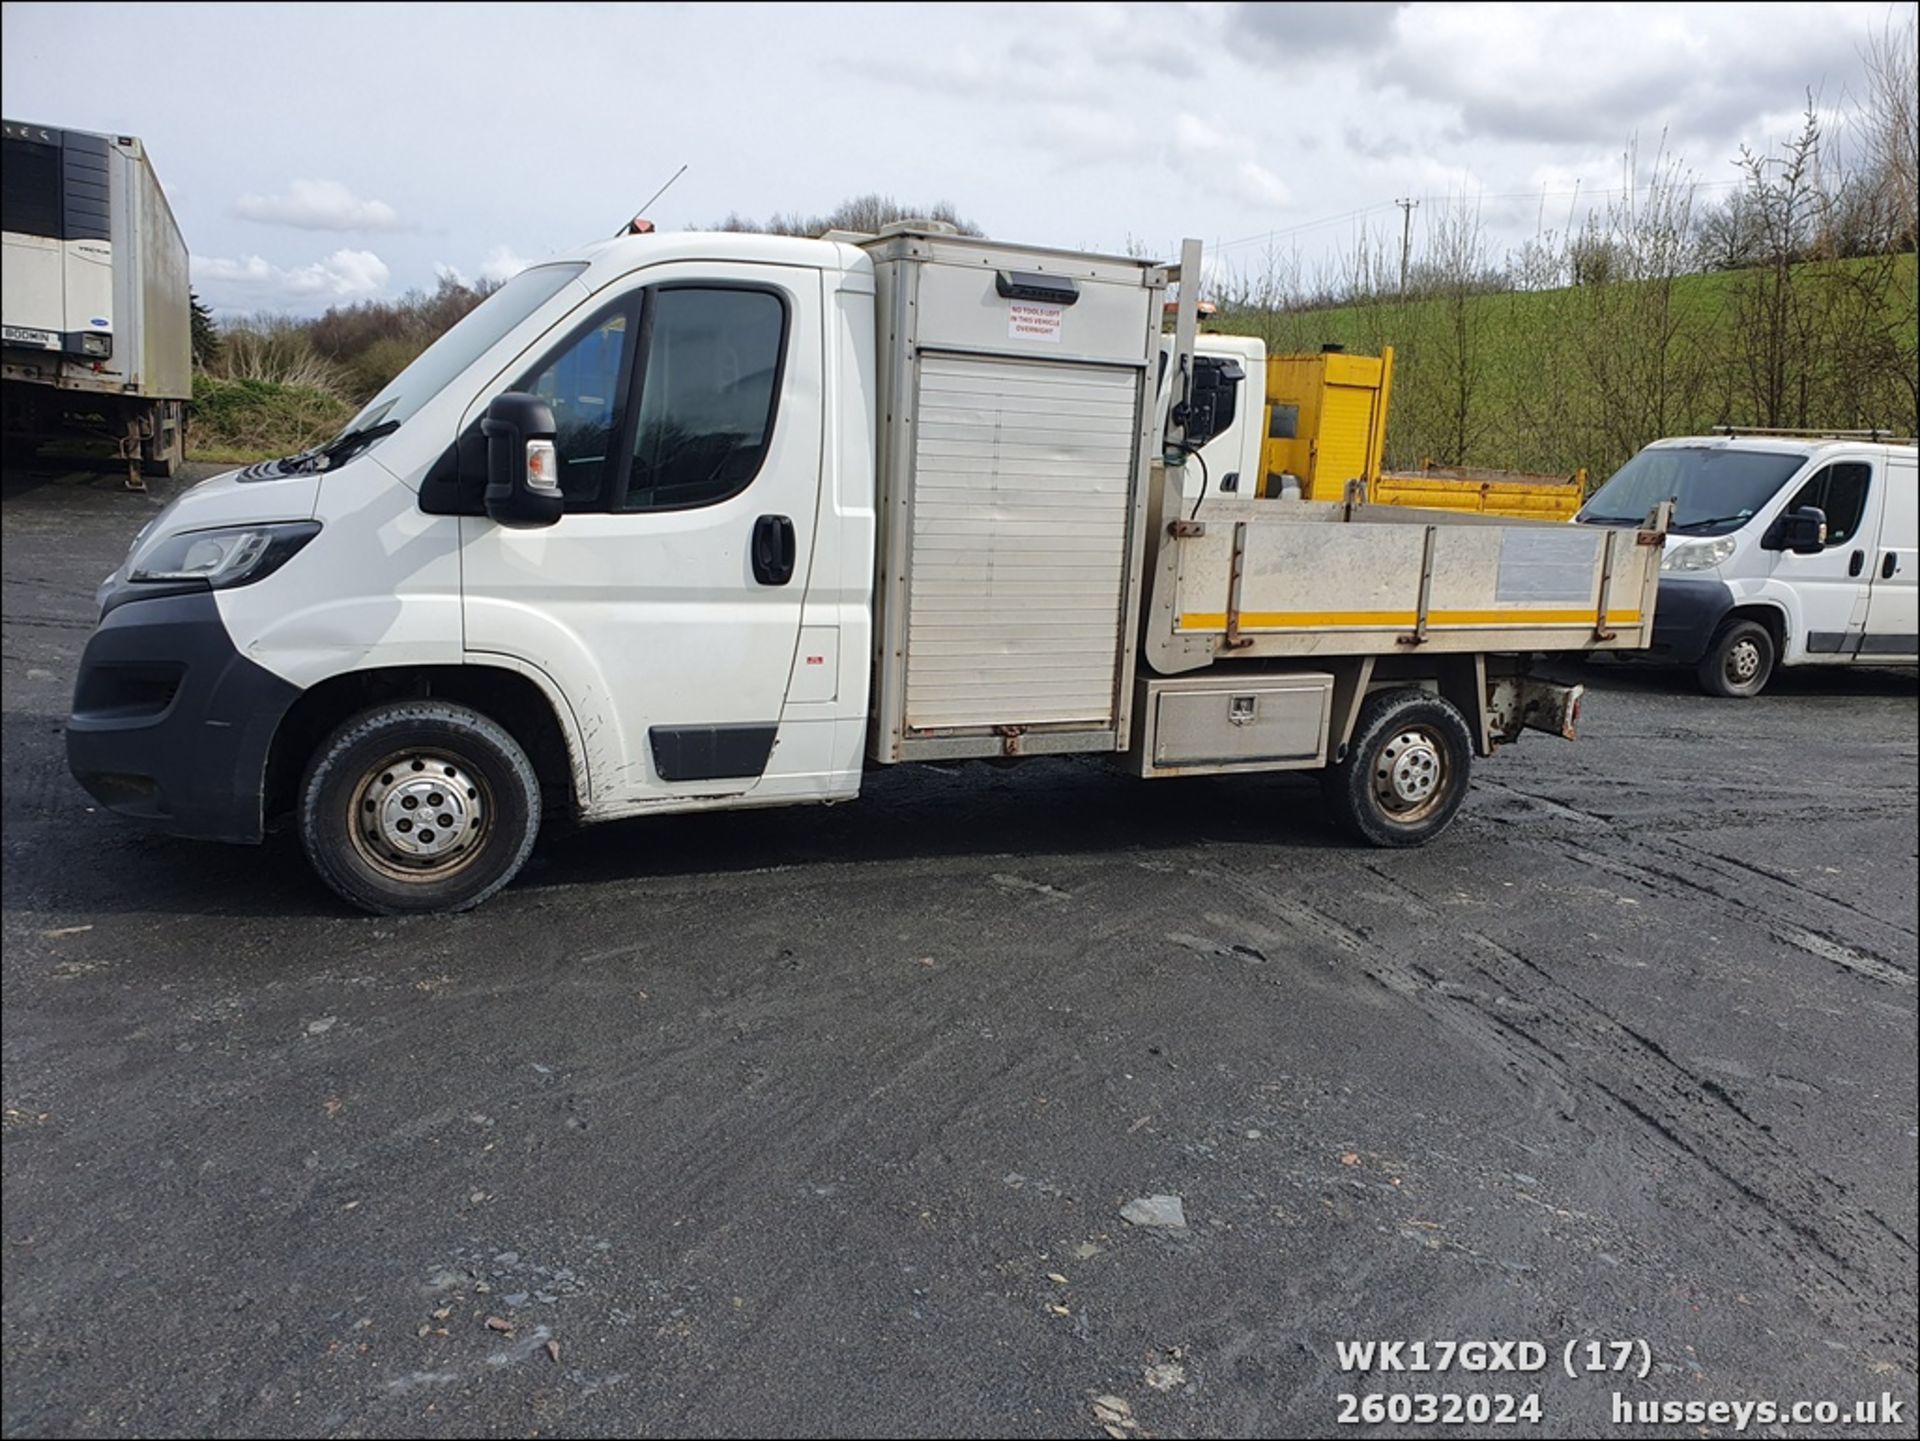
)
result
[(329, 153)]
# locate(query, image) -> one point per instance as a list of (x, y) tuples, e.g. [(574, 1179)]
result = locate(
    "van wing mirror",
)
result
[(523, 465), (1213, 399), (1802, 531)]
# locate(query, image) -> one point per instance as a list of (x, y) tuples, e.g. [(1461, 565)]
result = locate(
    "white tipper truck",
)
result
[(691, 522), (94, 303)]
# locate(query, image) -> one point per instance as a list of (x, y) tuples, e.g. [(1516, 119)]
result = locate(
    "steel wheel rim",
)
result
[(420, 815), (1743, 661), (1411, 774)]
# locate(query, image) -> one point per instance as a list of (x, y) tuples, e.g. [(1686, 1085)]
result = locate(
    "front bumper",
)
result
[(1686, 618), (171, 725)]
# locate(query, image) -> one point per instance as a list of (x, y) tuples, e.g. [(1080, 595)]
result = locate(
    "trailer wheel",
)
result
[(418, 806), (1405, 773), (1739, 663)]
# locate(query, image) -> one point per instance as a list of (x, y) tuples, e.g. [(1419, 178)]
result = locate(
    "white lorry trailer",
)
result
[(692, 522), (94, 305)]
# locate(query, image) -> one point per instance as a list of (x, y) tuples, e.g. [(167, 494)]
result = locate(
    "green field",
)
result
[(1559, 380), (1546, 380)]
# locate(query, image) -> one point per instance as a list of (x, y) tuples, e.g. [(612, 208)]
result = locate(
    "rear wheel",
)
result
[(418, 806), (1405, 773), (1740, 661)]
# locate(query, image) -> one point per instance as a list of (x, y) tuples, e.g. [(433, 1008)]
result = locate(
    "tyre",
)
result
[(1405, 773), (418, 806), (1740, 661)]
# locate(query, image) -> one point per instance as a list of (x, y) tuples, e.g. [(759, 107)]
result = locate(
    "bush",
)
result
[(261, 418), (275, 349), (369, 372), (372, 341)]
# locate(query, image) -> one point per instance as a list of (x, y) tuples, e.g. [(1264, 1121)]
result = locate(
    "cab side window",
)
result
[(1841, 491), (582, 382), (709, 385)]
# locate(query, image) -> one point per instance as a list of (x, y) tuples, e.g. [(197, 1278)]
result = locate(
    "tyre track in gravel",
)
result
[(1670, 877), (1538, 1029), (1670, 864)]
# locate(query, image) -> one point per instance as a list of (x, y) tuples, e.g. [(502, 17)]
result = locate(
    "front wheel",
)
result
[(418, 806), (1740, 661), (1405, 773)]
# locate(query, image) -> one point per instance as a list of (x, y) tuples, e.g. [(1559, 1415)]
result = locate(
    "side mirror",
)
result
[(523, 467), (1214, 397), (1802, 531)]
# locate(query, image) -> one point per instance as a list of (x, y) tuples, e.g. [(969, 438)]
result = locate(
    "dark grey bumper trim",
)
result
[(171, 725)]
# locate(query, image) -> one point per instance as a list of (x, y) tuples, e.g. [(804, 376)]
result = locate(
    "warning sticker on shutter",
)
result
[(1029, 320)]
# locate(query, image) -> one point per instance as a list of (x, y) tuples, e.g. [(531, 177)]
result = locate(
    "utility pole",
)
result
[(1406, 237)]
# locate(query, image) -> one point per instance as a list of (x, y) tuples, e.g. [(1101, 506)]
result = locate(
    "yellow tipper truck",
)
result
[(1326, 425)]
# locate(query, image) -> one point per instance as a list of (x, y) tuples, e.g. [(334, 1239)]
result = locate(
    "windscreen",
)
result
[(473, 336), (1715, 490)]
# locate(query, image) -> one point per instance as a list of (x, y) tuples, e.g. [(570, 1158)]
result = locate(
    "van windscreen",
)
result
[(471, 337), (1715, 490)]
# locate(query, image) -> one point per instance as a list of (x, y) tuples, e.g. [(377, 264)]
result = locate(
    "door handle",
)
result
[(1856, 562), (1888, 565), (774, 551)]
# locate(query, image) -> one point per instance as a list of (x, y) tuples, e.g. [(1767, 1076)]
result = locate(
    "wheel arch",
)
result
[(514, 697), (1769, 613)]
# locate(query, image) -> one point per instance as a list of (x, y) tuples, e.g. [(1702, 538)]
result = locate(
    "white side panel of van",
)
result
[(655, 620), (823, 724), (1893, 609), (398, 606)]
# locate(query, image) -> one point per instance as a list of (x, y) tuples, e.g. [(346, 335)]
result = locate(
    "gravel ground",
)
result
[(817, 1121)]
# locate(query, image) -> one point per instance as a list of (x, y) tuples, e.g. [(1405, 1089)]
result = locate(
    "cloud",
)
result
[(1218, 156), (1086, 134), (318, 205), (1257, 185), (1098, 42), (1166, 41), (1313, 30), (1377, 147), (253, 280), (1639, 70), (502, 263)]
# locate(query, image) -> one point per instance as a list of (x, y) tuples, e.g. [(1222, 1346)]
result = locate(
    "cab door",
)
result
[(665, 603), (1831, 585), (1893, 605)]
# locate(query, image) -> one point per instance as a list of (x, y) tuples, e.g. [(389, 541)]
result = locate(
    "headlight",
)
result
[(1697, 554), (233, 555)]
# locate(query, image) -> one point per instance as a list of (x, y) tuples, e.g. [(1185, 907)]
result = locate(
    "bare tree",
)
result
[(1889, 127), (1455, 360), (1548, 420), (1769, 313), (1637, 343), (867, 213), (1726, 236)]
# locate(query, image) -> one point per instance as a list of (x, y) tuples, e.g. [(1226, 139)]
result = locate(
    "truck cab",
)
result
[(706, 593), (1785, 551)]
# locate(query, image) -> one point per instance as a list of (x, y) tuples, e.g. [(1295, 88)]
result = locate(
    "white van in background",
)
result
[(1784, 550)]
